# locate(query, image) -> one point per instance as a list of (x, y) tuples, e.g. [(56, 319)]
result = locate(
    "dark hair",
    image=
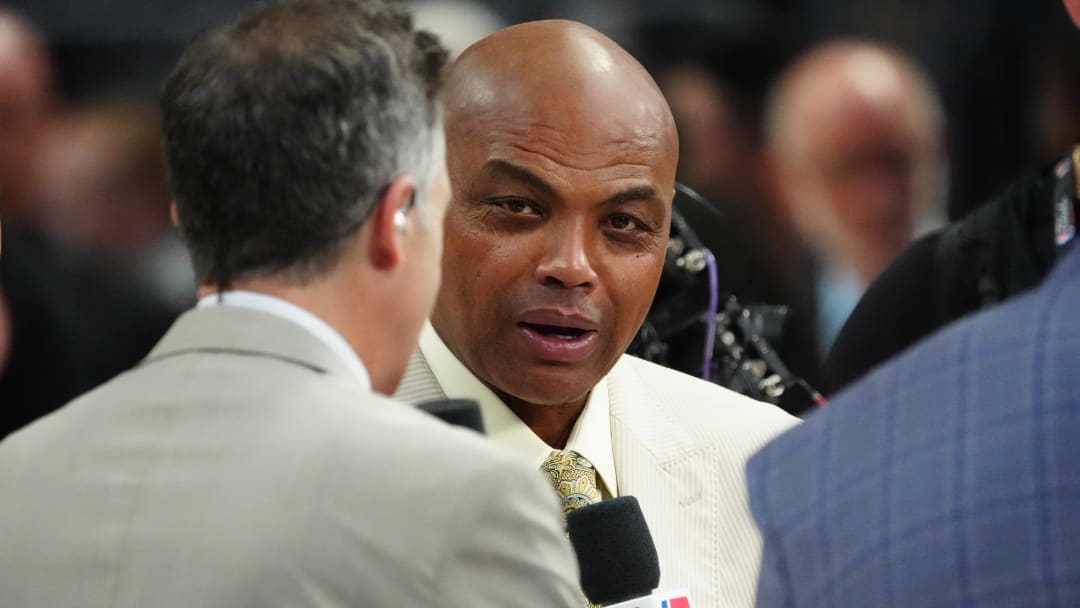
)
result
[(283, 127)]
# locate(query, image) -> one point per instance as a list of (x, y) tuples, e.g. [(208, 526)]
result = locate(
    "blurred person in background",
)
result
[(722, 149), (716, 76), (25, 105), (40, 368), (1054, 114), (856, 145), (100, 190), (948, 476), (76, 319), (1003, 247)]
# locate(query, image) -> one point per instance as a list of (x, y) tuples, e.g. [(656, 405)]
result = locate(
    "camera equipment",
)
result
[(694, 328)]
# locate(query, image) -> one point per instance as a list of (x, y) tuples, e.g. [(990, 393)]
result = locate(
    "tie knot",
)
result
[(573, 477)]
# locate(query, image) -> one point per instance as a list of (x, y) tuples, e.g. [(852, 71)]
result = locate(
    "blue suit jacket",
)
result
[(948, 477)]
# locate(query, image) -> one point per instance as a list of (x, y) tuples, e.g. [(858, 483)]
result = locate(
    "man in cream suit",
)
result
[(247, 461), (562, 155)]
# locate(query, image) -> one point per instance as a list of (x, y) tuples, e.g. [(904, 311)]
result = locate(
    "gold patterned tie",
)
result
[(573, 477)]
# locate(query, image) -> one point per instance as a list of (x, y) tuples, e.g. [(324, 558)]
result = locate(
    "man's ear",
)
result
[(390, 223)]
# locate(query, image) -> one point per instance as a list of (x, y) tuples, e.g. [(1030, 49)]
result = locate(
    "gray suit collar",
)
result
[(247, 332)]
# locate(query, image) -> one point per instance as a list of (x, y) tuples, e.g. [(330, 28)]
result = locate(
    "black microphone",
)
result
[(458, 412), (615, 550)]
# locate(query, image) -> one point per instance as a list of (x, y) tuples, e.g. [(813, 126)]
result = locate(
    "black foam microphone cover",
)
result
[(615, 550), (459, 412)]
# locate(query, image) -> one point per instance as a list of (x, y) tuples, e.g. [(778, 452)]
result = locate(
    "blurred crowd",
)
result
[(93, 272), (826, 134)]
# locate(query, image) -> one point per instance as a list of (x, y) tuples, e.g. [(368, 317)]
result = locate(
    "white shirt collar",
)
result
[(297, 315), (590, 437)]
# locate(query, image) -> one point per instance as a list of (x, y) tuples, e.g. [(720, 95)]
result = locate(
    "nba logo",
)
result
[(676, 602)]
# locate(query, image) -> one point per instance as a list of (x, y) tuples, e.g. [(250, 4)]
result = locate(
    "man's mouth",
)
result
[(556, 331), (555, 343)]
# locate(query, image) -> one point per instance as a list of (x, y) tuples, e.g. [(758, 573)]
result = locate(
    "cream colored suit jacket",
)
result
[(680, 446), (241, 464)]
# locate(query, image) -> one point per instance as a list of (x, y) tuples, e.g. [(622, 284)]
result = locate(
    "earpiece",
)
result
[(399, 220)]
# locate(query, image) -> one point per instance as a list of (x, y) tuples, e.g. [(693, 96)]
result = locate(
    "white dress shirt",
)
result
[(590, 437)]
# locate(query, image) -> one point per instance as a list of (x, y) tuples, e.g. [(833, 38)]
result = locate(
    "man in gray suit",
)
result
[(247, 461)]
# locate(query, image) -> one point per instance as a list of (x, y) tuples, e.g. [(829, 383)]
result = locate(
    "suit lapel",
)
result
[(650, 446), (419, 383), (668, 483), (666, 469)]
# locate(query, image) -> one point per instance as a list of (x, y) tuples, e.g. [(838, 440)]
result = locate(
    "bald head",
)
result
[(855, 131), (561, 75), (843, 83)]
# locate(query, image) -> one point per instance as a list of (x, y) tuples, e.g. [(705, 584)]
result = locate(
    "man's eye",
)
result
[(516, 206), (622, 222)]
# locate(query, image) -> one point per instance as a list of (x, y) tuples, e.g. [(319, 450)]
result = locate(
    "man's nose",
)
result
[(566, 261)]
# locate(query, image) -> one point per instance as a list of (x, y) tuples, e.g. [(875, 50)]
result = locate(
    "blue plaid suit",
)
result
[(948, 477)]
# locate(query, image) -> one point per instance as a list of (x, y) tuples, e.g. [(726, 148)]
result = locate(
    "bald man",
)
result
[(855, 140), (1002, 248), (562, 155)]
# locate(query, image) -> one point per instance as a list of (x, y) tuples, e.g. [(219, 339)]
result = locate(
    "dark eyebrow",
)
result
[(640, 193), (501, 168)]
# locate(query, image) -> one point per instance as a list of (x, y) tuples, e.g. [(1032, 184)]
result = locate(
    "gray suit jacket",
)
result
[(241, 465), (680, 446)]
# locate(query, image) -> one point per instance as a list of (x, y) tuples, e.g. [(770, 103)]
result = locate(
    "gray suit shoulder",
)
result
[(310, 483), (499, 518), (419, 436)]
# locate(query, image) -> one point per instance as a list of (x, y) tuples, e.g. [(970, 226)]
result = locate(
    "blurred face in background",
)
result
[(718, 153), (100, 181), (24, 108), (867, 166), (859, 148)]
